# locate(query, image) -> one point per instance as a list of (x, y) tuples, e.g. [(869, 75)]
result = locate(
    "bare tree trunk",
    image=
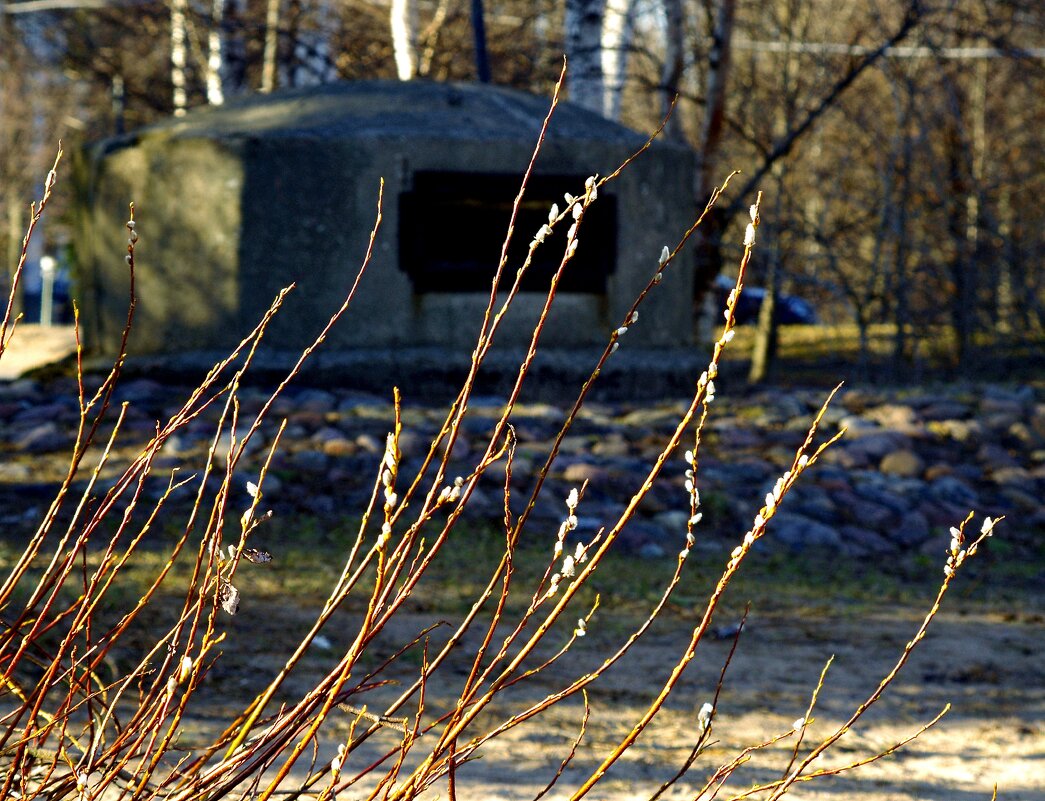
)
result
[(763, 354), (482, 58), (404, 37), (178, 56), (671, 76), (584, 79), (708, 246), (226, 52), (215, 55), (268, 65), (618, 30), (715, 100)]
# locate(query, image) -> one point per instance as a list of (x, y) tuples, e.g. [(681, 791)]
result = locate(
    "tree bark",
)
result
[(404, 37), (268, 66), (618, 30), (674, 63), (482, 57), (584, 78), (708, 245), (178, 56)]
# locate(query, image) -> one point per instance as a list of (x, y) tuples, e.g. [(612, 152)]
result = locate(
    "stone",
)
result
[(874, 447), (901, 463), (945, 410), (958, 430), (611, 445), (14, 472), (638, 535), (866, 513), (952, 490), (673, 521), (912, 529), (800, 533), (310, 461), (579, 472), (43, 438), (860, 541), (894, 417), (370, 444)]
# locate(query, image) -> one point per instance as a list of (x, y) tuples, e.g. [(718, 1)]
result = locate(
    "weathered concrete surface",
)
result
[(237, 202)]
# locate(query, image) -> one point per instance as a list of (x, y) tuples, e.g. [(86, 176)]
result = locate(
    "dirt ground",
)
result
[(988, 666)]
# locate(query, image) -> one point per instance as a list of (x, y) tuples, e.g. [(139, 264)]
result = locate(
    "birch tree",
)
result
[(584, 76), (674, 62), (404, 37), (224, 75), (179, 61), (618, 30)]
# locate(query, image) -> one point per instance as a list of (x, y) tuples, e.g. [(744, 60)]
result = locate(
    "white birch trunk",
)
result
[(618, 30), (268, 64), (216, 55), (584, 78), (178, 56), (404, 37), (226, 51)]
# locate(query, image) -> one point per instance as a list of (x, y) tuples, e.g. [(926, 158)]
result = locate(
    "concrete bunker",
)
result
[(234, 203)]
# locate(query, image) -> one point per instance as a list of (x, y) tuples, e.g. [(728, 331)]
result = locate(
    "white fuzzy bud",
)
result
[(184, 669), (569, 568), (753, 211), (658, 278), (577, 211), (749, 236), (571, 249), (665, 254), (704, 716), (621, 331), (800, 723), (553, 213), (572, 499), (696, 518), (727, 337)]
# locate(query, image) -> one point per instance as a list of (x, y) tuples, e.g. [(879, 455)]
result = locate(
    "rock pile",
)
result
[(910, 465)]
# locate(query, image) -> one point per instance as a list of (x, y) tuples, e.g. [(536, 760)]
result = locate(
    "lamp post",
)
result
[(48, 267)]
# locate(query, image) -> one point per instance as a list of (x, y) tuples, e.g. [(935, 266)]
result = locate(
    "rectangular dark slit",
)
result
[(452, 226)]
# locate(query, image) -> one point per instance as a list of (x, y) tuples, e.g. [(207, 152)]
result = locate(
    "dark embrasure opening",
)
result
[(452, 227)]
